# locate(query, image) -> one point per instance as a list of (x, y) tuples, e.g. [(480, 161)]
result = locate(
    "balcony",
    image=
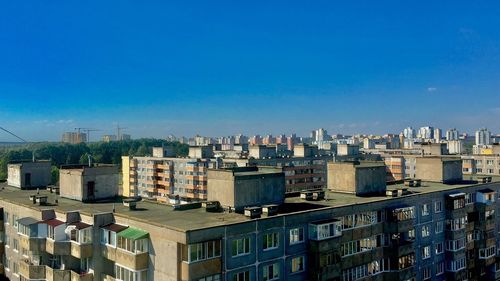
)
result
[(401, 249), (197, 270), (57, 274), (330, 272), (106, 277), (125, 258), (34, 244), (75, 276), (131, 260), (62, 248), (31, 271), (81, 250)]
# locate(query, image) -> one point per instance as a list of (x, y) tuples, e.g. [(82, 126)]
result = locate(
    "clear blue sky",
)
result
[(221, 67)]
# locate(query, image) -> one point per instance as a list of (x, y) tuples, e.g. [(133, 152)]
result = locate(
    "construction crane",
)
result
[(25, 141), (87, 131)]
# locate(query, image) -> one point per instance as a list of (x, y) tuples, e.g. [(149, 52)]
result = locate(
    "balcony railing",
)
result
[(30, 271)]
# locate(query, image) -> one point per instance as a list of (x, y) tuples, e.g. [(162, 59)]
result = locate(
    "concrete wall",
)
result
[(370, 180), (452, 170), (341, 177), (71, 184), (260, 151), (347, 149), (201, 152), (163, 152), (434, 149), (74, 182), (221, 187), (239, 191), (360, 179), (40, 174), (304, 150), (437, 169)]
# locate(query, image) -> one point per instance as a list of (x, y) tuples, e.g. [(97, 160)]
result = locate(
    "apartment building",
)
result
[(74, 137), (166, 179), (485, 163), (429, 231)]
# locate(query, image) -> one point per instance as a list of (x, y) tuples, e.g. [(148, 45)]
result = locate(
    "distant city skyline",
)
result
[(280, 67)]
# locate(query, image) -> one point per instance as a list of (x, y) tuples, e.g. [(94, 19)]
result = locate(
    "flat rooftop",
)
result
[(185, 220)]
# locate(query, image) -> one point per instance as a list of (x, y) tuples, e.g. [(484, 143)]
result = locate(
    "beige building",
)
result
[(74, 137)]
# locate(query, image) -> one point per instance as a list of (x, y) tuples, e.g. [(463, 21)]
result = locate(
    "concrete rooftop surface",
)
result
[(164, 215)]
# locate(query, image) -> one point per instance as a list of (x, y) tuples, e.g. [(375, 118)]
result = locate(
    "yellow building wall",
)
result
[(126, 175)]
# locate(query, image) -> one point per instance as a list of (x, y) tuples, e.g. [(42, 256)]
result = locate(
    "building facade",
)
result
[(431, 232)]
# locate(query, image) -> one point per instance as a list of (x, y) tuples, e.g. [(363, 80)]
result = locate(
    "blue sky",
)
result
[(220, 67)]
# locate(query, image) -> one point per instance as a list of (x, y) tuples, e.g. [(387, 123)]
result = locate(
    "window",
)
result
[(438, 207), (242, 276), (325, 230), (50, 232), (241, 246), (15, 244), (133, 246), (296, 235), (271, 272), (456, 224), (82, 236), (362, 245), (406, 261), (426, 273), (487, 253), (425, 209), (455, 265), (361, 219), (6, 217), (108, 237), (439, 268), (215, 277), (23, 230), (470, 198), (426, 252), (204, 251), (14, 220), (126, 274), (439, 227), (426, 231), (270, 241), (297, 264), (403, 214), (455, 245), (85, 264), (439, 248)]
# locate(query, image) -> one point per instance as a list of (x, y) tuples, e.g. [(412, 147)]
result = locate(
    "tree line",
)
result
[(101, 152)]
